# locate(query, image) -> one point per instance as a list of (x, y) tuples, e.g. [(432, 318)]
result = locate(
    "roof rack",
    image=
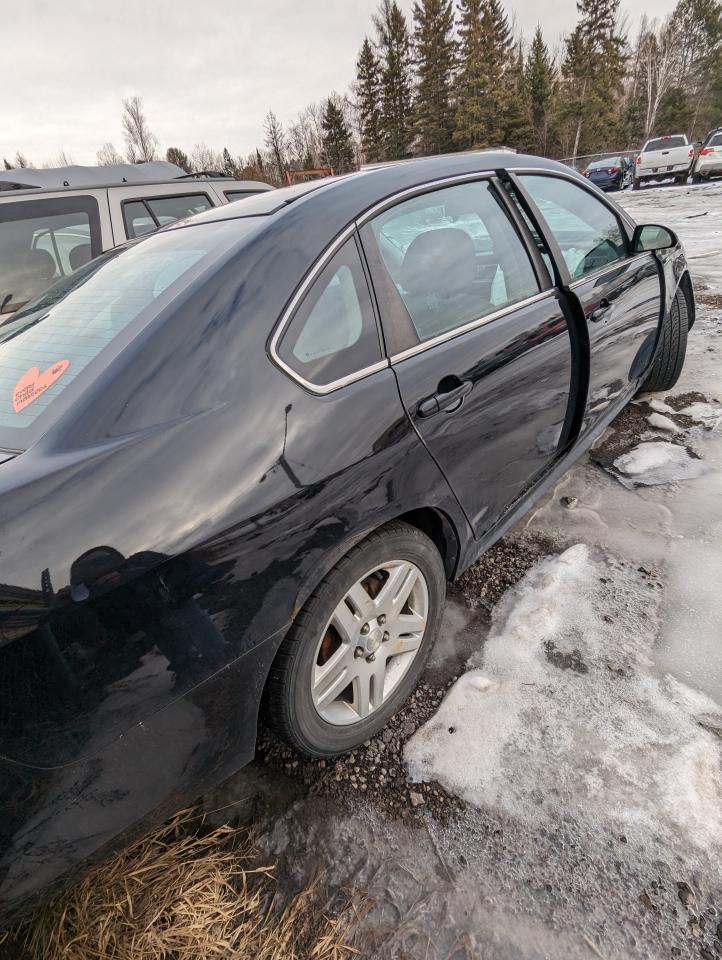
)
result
[(55, 178), (214, 174)]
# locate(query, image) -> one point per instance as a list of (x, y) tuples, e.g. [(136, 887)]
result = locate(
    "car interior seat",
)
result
[(440, 278), (79, 256)]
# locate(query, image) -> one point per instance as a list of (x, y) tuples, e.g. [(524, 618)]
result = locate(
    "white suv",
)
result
[(709, 159), (54, 221)]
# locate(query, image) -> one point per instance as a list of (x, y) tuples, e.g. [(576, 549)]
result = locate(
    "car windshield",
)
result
[(665, 143), (607, 162), (47, 345)]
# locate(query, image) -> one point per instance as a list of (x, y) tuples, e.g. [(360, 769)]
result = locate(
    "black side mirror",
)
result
[(651, 236)]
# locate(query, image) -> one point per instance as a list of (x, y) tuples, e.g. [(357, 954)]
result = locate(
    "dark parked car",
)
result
[(243, 456), (611, 173)]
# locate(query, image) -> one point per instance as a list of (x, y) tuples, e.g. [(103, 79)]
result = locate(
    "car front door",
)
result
[(477, 339), (619, 292)]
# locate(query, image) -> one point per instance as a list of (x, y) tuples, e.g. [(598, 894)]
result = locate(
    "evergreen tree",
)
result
[(541, 83), (179, 158), (368, 93), (471, 81), (434, 53), (336, 141), (394, 45), (230, 167), (593, 71), (518, 131), (486, 60)]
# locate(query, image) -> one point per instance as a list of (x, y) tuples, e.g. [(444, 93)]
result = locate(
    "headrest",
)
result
[(79, 256), (39, 264), (442, 262)]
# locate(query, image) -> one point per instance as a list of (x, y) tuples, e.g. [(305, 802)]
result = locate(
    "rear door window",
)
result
[(150, 213), (454, 257), (41, 242)]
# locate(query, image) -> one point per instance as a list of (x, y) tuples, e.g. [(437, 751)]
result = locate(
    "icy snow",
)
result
[(657, 462), (660, 422), (708, 413), (562, 707)]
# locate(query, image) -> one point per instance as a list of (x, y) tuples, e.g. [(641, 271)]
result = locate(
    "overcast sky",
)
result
[(207, 72)]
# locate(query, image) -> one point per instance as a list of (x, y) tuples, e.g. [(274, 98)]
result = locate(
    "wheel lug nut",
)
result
[(359, 652), (370, 658), (386, 636), (365, 629), (382, 619)]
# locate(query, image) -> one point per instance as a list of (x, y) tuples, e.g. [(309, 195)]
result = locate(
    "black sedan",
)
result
[(611, 173), (243, 457)]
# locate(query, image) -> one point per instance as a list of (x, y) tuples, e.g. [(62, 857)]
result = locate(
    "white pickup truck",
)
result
[(664, 157)]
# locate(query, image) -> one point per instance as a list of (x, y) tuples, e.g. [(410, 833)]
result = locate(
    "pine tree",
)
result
[(486, 60), (230, 167), (593, 70), (336, 142), (368, 93), (518, 131), (541, 83), (179, 158), (471, 81), (394, 45), (434, 54)]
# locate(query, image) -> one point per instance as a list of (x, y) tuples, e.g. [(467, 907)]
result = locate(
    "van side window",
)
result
[(150, 213)]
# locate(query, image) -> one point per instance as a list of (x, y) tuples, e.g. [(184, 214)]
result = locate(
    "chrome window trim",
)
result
[(580, 182), (472, 325), (286, 316), (430, 186)]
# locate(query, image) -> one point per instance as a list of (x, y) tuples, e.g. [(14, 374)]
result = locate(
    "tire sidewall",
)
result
[(312, 733)]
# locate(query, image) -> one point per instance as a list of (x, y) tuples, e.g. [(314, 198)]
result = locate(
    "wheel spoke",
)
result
[(345, 623), (360, 601), (410, 623), (362, 694), (333, 677), (404, 644), (395, 592)]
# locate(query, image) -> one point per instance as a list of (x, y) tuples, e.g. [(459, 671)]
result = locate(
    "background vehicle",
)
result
[(54, 221), (663, 157), (708, 162), (611, 173), (242, 475)]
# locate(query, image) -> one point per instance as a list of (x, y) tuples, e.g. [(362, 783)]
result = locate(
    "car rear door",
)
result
[(620, 293), (477, 338)]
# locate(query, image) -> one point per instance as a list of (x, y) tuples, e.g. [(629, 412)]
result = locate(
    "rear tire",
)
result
[(339, 676), (671, 348), (696, 178), (636, 183)]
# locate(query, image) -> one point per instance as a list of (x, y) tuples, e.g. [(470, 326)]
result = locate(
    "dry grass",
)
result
[(185, 893)]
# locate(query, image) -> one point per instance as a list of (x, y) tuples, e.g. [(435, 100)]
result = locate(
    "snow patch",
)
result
[(660, 406), (707, 413), (561, 711), (660, 422), (649, 464)]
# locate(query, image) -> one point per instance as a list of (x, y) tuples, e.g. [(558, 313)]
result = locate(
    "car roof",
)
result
[(351, 194)]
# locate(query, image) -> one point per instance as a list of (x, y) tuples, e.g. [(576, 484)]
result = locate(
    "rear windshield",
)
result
[(44, 347), (607, 162), (664, 143)]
